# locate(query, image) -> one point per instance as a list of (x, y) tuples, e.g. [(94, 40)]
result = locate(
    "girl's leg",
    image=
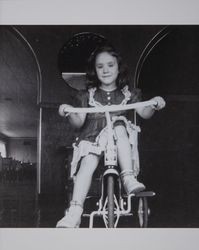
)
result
[(84, 177), (124, 148), (131, 184), (82, 184)]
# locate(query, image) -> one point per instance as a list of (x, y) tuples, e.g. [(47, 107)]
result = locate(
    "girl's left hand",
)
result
[(160, 103)]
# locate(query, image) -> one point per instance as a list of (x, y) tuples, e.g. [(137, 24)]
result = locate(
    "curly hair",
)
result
[(92, 79)]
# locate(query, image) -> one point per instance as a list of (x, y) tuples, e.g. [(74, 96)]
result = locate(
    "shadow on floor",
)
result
[(19, 208)]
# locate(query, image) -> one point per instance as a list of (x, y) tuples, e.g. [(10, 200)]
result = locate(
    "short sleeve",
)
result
[(81, 99), (136, 95)]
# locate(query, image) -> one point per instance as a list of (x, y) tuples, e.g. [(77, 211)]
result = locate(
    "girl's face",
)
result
[(107, 69)]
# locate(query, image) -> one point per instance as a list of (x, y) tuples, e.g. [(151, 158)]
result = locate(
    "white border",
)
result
[(94, 12), (99, 12), (98, 239)]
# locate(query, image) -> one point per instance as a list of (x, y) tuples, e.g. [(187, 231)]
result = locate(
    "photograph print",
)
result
[(99, 126)]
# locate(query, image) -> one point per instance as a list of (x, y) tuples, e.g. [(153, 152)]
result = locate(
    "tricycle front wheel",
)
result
[(110, 190)]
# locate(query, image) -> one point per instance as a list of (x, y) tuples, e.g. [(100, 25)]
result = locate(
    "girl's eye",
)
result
[(111, 65), (99, 66)]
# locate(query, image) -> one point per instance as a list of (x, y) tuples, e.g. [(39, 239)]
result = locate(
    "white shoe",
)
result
[(72, 218), (131, 184)]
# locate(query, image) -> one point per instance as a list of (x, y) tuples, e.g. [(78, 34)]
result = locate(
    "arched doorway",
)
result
[(19, 87)]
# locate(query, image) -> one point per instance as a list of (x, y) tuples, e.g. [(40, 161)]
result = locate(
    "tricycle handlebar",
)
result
[(112, 108)]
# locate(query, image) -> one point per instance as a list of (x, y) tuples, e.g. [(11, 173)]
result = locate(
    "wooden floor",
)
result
[(19, 208)]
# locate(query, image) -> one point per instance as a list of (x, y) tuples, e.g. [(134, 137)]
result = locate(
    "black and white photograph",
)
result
[(75, 111), (99, 128)]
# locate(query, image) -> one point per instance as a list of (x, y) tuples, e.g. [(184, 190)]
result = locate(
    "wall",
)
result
[(169, 142), (57, 135), (47, 41)]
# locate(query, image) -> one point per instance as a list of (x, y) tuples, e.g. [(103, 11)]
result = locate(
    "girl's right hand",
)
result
[(62, 109), (160, 103)]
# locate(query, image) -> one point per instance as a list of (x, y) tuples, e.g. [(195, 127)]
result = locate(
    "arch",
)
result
[(73, 56), (147, 50), (32, 52), (16, 114)]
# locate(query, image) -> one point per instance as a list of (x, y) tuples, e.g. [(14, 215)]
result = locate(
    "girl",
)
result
[(108, 84)]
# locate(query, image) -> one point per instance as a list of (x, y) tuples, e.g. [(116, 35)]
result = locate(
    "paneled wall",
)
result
[(56, 136)]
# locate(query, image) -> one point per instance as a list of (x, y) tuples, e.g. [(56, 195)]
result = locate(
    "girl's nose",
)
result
[(105, 69)]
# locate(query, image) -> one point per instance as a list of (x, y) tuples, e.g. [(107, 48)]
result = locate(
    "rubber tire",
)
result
[(143, 206), (110, 194)]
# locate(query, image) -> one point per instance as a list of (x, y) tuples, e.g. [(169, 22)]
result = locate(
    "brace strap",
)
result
[(76, 203), (127, 173)]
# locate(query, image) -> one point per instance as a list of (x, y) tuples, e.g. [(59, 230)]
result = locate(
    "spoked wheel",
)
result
[(110, 192), (143, 211)]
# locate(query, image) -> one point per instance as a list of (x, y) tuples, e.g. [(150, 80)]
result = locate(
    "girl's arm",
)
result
[(75, 119), (147, 112)]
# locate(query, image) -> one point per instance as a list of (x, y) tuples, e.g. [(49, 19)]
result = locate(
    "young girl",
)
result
[(108, 84)]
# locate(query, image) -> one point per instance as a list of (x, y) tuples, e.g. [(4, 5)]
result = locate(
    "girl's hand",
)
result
[(62, 109), (160, 103)]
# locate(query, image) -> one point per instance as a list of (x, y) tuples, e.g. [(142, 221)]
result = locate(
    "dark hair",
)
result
[(92, 79)]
